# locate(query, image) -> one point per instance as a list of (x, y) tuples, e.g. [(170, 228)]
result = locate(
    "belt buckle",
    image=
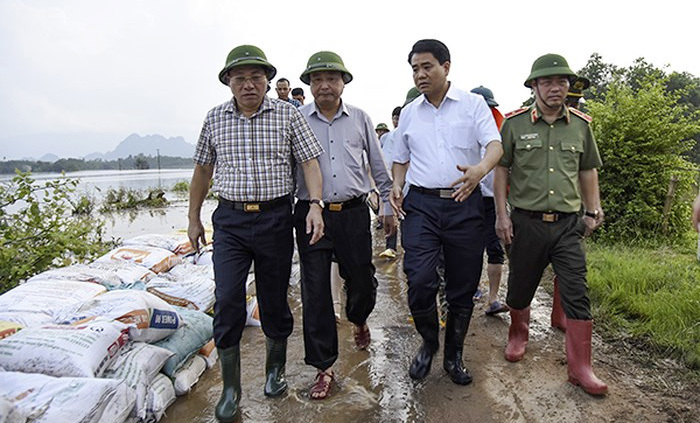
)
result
[(251, 207), (549, 217), (446, 193), (336, 207)]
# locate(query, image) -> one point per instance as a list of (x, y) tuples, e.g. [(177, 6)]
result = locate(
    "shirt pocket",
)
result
[(461, 136), (353, 153), (528, 153), (571, 151)]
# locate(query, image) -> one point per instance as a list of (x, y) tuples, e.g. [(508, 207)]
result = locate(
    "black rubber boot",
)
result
[(455, 331), (427, 327), (227, 408), (275, 383)]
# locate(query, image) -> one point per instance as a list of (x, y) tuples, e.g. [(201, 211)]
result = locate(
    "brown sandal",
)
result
[(362, 336), (322, 386)]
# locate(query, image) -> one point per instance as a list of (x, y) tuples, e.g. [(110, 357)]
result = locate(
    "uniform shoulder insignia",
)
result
[(580, 114), (516, 112)]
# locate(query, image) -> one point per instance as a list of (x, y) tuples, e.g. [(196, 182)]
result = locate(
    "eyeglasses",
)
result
[(241, 80)]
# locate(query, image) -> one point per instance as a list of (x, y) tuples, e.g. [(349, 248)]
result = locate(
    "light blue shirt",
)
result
[(351, 151)]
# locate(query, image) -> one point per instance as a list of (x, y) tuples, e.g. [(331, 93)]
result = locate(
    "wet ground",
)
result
[(374, 386)]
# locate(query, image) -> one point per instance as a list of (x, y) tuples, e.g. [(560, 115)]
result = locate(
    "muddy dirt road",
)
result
[(374, 386)]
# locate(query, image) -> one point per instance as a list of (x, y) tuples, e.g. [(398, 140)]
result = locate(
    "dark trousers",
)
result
[(431, 224), (494, 249), (239, 239), (348, 237), (535, 245)]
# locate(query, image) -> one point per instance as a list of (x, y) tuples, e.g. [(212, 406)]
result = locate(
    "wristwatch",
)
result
[(317, 201), (592, 214)]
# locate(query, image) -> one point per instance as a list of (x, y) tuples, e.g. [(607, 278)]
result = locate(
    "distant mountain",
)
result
[(49, 158), (148, 145)]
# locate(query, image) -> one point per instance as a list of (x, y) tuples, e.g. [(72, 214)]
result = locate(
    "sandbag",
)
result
[(252, 311), (209, 353), (196, 330), (161, 394), (8, 328), (156, 259), (61, 350), (131, 274), (149, 318), (195, 292), (47, 296), (137, 365), (47, 399), (26, 319), (82, 273), (188, 374), (179, 245)]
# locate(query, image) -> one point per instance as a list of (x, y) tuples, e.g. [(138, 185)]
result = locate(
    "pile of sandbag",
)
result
[(109, 341)]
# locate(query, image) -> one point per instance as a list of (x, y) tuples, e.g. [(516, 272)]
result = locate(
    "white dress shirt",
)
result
[(436, 140)]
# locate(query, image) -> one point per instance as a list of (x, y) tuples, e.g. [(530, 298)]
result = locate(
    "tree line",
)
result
[(139, 161)]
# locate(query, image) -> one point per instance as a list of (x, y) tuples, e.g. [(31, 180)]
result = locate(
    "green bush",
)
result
[(642, 135), (38, 230), (127, 198), (181, 187)]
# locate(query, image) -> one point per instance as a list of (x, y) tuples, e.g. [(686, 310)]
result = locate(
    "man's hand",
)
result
[(389, 225), (314, 223), (195, 232), (470, 179), (396, 201), (593, 223), (504, 229)]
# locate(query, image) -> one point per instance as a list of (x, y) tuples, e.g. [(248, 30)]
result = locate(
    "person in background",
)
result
[(253, 221), (282, 89), (381, 131), (574, 98), (298, 95), (494, 249), (390, 239), (437, 154), (550, 166), (351, 154)]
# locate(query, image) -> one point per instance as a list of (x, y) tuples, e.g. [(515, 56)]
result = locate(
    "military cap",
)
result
[(246, 55), (576, 88), (381, 126), (325, 61), (411, 95), (549, 65)]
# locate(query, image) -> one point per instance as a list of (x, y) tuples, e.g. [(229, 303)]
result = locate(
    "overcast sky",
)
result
[(79, 76)]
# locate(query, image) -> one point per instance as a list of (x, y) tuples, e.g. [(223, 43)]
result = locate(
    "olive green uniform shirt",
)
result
[(545, 160)]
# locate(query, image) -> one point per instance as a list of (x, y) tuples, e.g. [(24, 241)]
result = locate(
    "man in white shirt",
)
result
[(437, 152)]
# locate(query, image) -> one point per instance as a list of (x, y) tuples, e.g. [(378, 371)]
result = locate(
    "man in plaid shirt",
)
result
[(249, 144)]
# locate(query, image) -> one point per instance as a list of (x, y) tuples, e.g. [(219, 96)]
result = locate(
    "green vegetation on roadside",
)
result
[(39, 229), (649, 293)]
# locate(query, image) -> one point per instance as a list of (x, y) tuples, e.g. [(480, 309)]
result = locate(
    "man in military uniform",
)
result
[(549, 161)]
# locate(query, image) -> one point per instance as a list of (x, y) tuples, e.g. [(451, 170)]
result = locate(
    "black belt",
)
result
[(256, 207), (344, 205), (439, 192), (544, 216)]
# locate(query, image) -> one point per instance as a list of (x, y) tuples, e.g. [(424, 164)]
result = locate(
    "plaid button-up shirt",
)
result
[(253, 157)]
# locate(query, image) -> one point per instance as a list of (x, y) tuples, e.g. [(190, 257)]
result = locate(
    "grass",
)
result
[(650, 292)]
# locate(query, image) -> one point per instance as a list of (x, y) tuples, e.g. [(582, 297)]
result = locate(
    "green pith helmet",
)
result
[(411, 95), (577, 87), (325, 61), (381, 127), (246, 55), (487, 94), (549, 65)]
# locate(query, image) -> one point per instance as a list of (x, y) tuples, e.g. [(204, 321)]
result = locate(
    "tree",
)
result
[(140, 162), (38, 230), (642, 135)]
